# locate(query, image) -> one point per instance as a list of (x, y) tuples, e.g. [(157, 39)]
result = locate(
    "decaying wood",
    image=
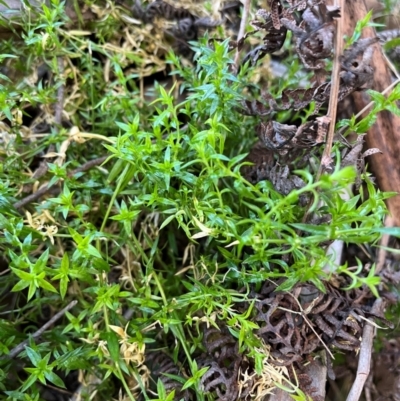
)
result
[(385, 134)]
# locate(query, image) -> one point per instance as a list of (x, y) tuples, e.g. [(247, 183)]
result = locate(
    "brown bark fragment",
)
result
[(385, 134)]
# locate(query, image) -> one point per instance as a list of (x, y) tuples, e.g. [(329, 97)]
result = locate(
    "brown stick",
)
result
[(39, 193), (32, 197), (364, 360), (88, 165), (333, 100), (334, 94), (20, 347), (385, 134)]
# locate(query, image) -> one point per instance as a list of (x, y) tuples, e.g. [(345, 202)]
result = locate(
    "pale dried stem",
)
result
[(342, 130), (391, 66), (303, 314), (333, 101), (245, 15), (334, 94), (381, 258), (384, 92), (364, 360)]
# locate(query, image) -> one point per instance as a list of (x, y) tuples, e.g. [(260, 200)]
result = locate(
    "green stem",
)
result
[(114, 196), (160, 288), (291, 196), (124, 383)]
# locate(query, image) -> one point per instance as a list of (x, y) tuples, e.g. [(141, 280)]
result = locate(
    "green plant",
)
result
[(170, 212)]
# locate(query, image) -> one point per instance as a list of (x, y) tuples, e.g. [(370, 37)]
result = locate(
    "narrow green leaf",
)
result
[(28, 383), (20, 286), (55, 379), (22, 275), (113, 345), (34, 357), (46, 285), (394, 231)]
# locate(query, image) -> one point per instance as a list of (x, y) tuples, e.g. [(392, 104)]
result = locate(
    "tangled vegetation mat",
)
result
[(198, 200)]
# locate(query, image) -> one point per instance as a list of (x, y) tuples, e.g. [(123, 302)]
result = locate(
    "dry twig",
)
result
[(364, 360), (245, 14), (342, 130), (42, 191), (303, 314), (20, 347), (333, 101), (381, 258), (334, 92)]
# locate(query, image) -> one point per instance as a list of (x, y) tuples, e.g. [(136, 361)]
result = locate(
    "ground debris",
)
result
[(187, 22), (313, 40), (293, 326)]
